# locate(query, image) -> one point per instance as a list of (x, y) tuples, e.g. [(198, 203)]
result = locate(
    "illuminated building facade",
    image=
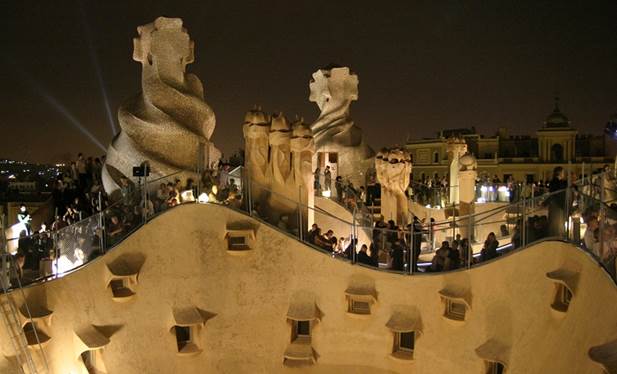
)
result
[(524, 158)]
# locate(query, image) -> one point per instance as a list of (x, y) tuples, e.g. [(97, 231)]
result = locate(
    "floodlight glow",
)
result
[(326, 193), (187, 196), (203, 198)]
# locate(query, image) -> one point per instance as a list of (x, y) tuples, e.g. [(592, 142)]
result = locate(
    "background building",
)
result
[(522, 157)]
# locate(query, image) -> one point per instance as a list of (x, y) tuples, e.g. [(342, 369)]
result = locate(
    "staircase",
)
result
[(9, 313), (10, 318)]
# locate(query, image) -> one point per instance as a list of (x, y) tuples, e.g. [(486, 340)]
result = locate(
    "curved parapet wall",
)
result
[(244, 306), (166, 123)]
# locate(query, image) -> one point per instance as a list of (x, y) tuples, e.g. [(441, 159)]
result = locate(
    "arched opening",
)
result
[(557, 153)]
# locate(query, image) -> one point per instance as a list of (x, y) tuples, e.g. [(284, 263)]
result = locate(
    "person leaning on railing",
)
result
[(115, 229), (489, 251)]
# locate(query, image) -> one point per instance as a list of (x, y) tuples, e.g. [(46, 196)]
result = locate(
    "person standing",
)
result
[(338, 185), (316, 183), (398, 256), (416, 240), (24, 218), (328, 179), (82, 171)]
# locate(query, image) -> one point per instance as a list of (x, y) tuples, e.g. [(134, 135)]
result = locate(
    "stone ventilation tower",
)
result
[(467, 174), (338, 140), (456, 148), (169, 122), (393, 167), (278, 161)]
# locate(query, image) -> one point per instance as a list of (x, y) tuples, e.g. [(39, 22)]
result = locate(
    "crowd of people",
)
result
[(77, 195), (391, 247), (344, 191), (85, 222), (435, 191)]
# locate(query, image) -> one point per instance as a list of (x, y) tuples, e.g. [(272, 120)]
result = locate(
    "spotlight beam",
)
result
[(55, 104), (98, 71)]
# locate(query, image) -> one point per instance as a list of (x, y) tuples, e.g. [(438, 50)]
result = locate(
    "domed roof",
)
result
[(556, 118)]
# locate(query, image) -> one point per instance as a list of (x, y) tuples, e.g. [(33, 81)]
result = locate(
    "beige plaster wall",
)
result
[(185, 262)]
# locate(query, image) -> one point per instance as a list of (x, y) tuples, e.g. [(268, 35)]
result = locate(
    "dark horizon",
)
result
[(421, 68)]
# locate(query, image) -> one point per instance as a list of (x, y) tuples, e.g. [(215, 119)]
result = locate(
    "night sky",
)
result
[(422, 65)]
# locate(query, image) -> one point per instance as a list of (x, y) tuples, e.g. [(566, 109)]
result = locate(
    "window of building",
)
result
[(360, 299), (455, 310), (557, 153), (301, 329), (34, 335), (301, 317), (91, 345), (184, 336), (189, 322), (332, 157), (359, 306), (89, 360), (436, 157), (456, 303), (122, 280), (237, 243), (404, 344), (565, 282), (563, 296), (494, 368), (120, 288), (406, 326), (239, 239), (530, 178)]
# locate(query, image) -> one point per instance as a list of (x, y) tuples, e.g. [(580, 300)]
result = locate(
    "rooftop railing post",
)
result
[(567, 207), (602, 214), (523, 233), (469, 239), (200, 166), (101, 223), (248, 190), (412, 251), (300, 223), (4, 252), (353, 238), (533, 193), (144, 193), (453, 222)]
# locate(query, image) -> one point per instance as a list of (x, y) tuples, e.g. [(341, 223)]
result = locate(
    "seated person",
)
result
[(441, 258), (363, 256), (489, 251), (115, 229)]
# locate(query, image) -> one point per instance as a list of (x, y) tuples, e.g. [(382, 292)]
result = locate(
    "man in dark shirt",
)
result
[(363, 256), (398, 256)]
